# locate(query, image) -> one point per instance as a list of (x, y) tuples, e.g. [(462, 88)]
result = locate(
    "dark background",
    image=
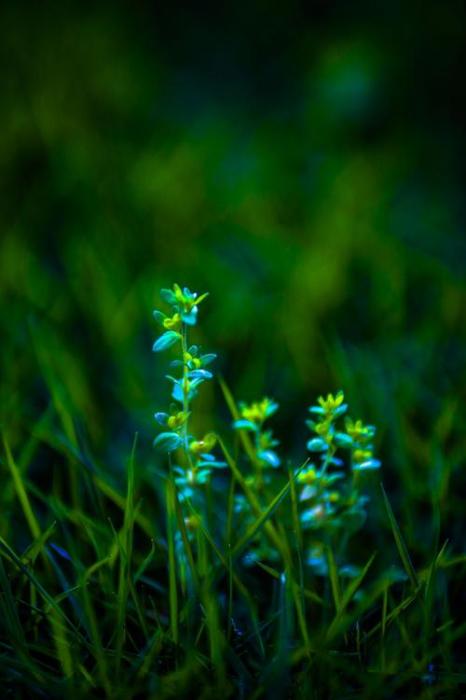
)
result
[(302, 163)]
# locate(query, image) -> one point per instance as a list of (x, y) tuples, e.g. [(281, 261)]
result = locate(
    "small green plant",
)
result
[(198, 460), (335, 504), (331, 500)]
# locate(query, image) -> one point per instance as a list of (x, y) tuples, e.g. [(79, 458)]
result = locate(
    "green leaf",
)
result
[(317, 445), (159, 316), (168, 296), (269, 457), (368, 465), (244, 424), (167, 442), (343, 440), (202, 297), (166, 341), (200, 374)]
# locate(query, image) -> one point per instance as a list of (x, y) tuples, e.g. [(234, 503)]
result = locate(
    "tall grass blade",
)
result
[(125, 542), (261, 520), (172, 584), (21, 492), (400, 543)]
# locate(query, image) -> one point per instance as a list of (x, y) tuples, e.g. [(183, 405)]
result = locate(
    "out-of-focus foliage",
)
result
[(307, 174), (303, 164)]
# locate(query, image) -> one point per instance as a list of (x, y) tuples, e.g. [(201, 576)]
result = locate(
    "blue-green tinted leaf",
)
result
[(193, 386), (167, 442), (343, 440), (334, 476), (349, 570), (200, 374), (166, 341), (185, 493), (395, 575), (312, 517), (177, 392), (213, 464), (208, 358), (244, 424), (318, 563), (207, 457), (336, 461), (272, 407), (190, 317), (161, 418), (340, 410), (269, 457), (168, 296), (307, 492), (317, 445), (159, 316), (368, 465)]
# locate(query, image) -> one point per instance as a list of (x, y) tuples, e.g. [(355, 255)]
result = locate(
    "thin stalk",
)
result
[(184, 350)]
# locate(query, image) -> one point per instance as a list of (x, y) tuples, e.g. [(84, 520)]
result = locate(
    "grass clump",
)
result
[(237, 571)]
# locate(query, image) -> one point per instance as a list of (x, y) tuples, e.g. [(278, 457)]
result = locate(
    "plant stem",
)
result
[(184, 350)]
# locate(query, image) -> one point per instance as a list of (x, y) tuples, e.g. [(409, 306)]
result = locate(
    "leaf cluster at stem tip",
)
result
[(331, 491), (253, 417)]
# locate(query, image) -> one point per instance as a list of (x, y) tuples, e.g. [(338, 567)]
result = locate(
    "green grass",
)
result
[(115, 587)]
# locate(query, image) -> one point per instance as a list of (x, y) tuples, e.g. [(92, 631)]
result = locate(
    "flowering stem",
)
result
[(257, 462), (184, 350)]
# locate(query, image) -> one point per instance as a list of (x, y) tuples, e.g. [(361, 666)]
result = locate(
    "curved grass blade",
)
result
[(400, 543), (30, 553), (346, 598), (21, 492), (262, 519), (125, 545)]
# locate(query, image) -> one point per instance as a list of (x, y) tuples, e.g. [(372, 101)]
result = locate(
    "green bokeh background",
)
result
[(303, 166)]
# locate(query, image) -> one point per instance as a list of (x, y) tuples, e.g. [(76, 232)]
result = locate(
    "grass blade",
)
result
[(21, 492), (125, 542), (345, 599), (400, 543), (261, 520), (172, 585)]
